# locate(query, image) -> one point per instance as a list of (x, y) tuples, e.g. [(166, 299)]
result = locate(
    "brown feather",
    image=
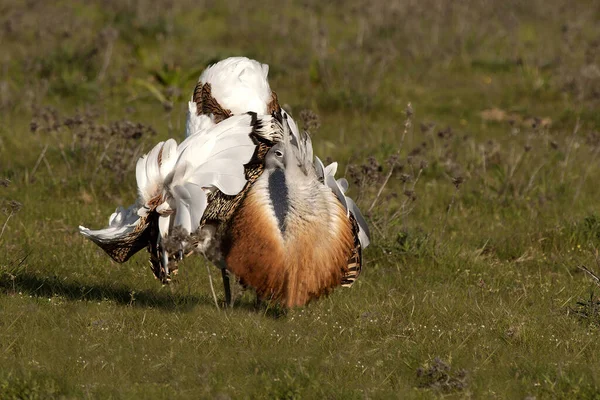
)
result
[(122, 248), (206, 104), (210, 105), (198, 97), (273, 105)]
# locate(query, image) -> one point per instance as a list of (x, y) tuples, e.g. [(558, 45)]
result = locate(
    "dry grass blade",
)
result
[(569, 150), (37, 163), (594, 277), (407, 125), (210, 281)]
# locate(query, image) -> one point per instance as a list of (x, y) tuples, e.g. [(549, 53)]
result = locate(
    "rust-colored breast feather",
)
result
[(304, 263)]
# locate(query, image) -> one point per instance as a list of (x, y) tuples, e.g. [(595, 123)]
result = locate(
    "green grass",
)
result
[(470, 289)]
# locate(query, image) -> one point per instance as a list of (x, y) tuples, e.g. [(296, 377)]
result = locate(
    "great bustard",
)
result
[(291, 233)]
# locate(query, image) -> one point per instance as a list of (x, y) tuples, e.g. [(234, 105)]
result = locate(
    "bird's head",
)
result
[(276, 157)]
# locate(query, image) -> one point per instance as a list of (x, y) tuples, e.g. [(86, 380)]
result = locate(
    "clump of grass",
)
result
[(588, 310), (591, 226), (438, 375), (114, 147), (389, 186)]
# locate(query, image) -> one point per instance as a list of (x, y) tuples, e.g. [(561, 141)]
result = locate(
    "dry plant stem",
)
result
[(5, 223), (512, 172), (407, 125), (49, 168), (64, 157), (61, 147), (452, 200), (377, 228), (405, 202), (102, 156), (412, 187), (483, 163), (572, 139), (37, 163), (387, 178), (210, 281), (106, 61), (532, 178)]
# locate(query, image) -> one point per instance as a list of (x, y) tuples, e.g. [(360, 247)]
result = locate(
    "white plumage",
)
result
[(340, 187), (122, 223), (197, 123), (239, 84)]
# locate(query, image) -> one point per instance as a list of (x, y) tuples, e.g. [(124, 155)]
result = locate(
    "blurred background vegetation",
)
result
[(470, 133)]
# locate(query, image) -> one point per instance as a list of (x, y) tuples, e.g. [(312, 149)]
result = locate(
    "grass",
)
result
[(487, 202)]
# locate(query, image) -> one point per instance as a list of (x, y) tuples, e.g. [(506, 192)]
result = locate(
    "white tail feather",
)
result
[(339, 188), (121, 222), (197, 123)]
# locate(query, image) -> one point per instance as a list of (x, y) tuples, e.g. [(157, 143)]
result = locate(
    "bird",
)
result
[(283, 225)]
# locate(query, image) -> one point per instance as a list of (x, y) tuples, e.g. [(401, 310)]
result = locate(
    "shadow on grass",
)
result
[(45, 286), (48, 286)]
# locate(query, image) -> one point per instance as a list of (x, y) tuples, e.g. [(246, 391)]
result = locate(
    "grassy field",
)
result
[(472, 287)]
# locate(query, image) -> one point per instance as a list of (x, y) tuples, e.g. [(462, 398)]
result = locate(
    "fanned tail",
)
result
[(173, 182)]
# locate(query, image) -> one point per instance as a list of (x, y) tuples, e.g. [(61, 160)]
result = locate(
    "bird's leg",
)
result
[(154, 250), (163, 260), (165, 263), (226, 283), (258, 302), (226, 286)]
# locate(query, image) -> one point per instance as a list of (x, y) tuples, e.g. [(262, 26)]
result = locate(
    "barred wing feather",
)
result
[(359, 225), (120, 240)]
